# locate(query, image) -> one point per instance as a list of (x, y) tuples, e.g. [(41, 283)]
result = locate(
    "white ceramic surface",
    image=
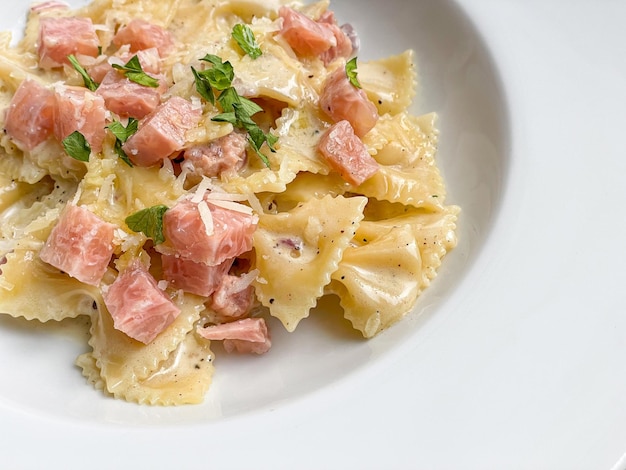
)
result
[(513, 359)]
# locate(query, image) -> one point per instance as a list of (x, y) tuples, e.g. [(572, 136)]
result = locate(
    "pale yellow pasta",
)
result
[(304, 187), (299, 130), (113, 190), (435, 233), (298, 250), (389, 82), (183, 378), (405, 148), (123, 360), (378, 278), (36, 291), (90, 370)]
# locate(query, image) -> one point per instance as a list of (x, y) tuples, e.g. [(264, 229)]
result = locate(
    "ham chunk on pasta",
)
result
[(162, 132), (78, 109), (62, 36), (29, 118), (346, 153), (309, 38), (207, 233), (306, 36), (249, 335), (341, 100), (225, 154), (345, 46), (80, 244), (127, 98), (196, 278), (140, 34), (234, 296), (138, 307)]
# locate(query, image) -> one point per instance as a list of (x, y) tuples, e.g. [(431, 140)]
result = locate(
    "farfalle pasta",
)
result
[(182, 171)]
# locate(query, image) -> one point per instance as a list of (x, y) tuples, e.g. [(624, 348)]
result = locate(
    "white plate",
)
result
[(513, 358)]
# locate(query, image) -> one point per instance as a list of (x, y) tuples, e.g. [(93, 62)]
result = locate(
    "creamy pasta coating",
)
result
[(181, 171)]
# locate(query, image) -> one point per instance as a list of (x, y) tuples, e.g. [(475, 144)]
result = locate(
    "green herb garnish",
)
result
[(218, 77), (148, 221), (122, 134), (244, 36), (239, 112), (352, 73), (87, 80), (134, 72), (236, 109), (77, 146)]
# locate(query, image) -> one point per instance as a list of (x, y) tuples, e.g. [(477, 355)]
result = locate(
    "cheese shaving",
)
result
[(206, 216), (233, 206)]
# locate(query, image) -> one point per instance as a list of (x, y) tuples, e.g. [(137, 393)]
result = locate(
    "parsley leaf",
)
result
[(148, 221), (203, 86), (236, 109), (77, 146), (218, 77), (352, 73), (133, 71), (87, 80), (244, 36), (240, 118), (122, 134)]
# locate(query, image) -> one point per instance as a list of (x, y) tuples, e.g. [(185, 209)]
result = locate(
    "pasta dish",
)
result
[(181, 171)]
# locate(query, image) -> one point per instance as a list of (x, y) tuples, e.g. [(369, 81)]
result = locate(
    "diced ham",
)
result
[(249, 335), (187, 235), (29, 118), (234, 296), (138, 307), (80, 244), (247, 347), (344, 48), (341, 100), (196, 278), (78, 109), (346, 153), (140, 34), (62, 36), (221, 155), (162, 132), (305, 36), (127, 98)]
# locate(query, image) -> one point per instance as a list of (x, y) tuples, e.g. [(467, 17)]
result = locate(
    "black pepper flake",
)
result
[(272, 301)]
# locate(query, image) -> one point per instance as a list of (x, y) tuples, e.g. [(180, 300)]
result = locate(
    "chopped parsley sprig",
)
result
[(122, 134), (148, 221), (236, 109), (134, 72), (89, 82), (218, 77), (243, 35), (77, 146), (351, 72)]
